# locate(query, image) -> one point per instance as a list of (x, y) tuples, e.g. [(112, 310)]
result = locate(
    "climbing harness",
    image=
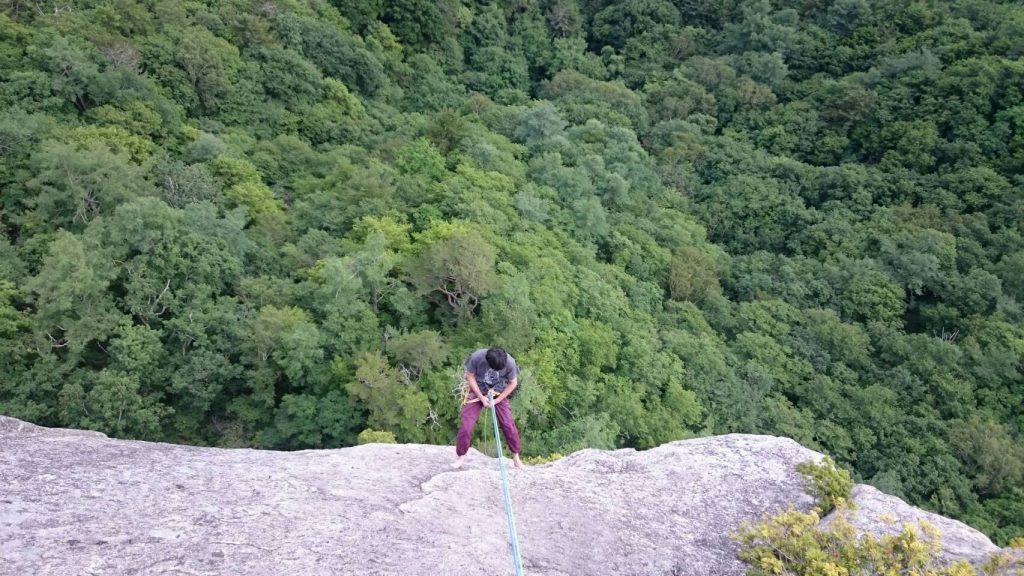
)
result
[(508, 495)]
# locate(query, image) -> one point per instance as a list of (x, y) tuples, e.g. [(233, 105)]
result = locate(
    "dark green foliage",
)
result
[(337, 54), (280, 224), (619, 22)]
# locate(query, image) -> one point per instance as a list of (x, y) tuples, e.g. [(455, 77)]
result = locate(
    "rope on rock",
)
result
[(505, 489)]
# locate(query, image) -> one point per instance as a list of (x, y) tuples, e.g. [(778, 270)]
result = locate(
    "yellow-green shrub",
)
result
[(793, 544), (542, 459), (371, 436), (828, 483)]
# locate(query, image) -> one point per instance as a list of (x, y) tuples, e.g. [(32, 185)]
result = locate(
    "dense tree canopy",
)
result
[(280, 223)]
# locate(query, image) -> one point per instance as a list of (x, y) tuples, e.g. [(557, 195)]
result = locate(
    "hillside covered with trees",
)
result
[(278, 223)]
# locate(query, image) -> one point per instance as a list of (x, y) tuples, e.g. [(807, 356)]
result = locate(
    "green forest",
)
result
[(280, 223)]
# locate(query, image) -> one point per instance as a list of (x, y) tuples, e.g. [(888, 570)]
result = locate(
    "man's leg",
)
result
[(508, 429), (470, 413)]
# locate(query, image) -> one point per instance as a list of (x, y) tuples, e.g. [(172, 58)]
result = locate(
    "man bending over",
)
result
[(489, 369)]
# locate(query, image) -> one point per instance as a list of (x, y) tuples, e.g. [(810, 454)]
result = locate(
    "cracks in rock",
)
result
[(423, 490), (227, 543), (176, 559)]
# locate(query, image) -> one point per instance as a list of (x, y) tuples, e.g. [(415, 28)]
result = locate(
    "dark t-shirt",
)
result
[(488, 378)]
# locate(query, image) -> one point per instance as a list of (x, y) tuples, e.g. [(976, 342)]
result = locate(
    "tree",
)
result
[(418, 23), (286, 341), (751, 213), (873, 297), (75, 71), (73, 184), (342, 304), (73, 306), (286, 75), (760, 29), (693, 275), (113, 404), (919, 259), (394, 403), (167, 266), (420, 158), (991, 456), (336, 53), (417, 352), (455, 271), (508, 315), (307, 421), (20, 396), (244, 186), (500, 73), (621, 21), (580, 99), (677, 98), (209, 64), (844, 15)]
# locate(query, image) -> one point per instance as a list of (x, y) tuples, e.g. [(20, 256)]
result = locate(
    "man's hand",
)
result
[(486, 401), (471, 380)]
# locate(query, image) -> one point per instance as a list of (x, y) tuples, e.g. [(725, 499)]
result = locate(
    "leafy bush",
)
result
[(829, 484), (542, 459), (371, 436), (793, 543)]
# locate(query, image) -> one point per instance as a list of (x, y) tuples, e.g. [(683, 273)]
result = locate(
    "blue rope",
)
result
[(508, 495)]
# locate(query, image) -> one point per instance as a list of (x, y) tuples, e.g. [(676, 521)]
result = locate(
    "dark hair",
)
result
[(497, 358)]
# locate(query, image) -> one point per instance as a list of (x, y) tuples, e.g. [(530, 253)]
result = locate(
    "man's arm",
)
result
[(471, 379), (508, 390)]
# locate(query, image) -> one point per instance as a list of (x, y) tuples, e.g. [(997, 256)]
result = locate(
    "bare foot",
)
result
[(459, 461), (517, 461)]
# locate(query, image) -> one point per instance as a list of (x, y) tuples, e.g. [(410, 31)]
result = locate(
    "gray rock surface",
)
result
[(79, 503), (880, 513)]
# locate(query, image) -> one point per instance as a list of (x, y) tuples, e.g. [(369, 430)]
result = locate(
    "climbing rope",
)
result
[(508, 495)]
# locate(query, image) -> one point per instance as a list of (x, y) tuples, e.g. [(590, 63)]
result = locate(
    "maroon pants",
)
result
[(471, 411)]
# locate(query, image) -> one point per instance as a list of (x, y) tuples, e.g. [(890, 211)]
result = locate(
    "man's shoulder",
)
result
[(512, 368), (476, 355)]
